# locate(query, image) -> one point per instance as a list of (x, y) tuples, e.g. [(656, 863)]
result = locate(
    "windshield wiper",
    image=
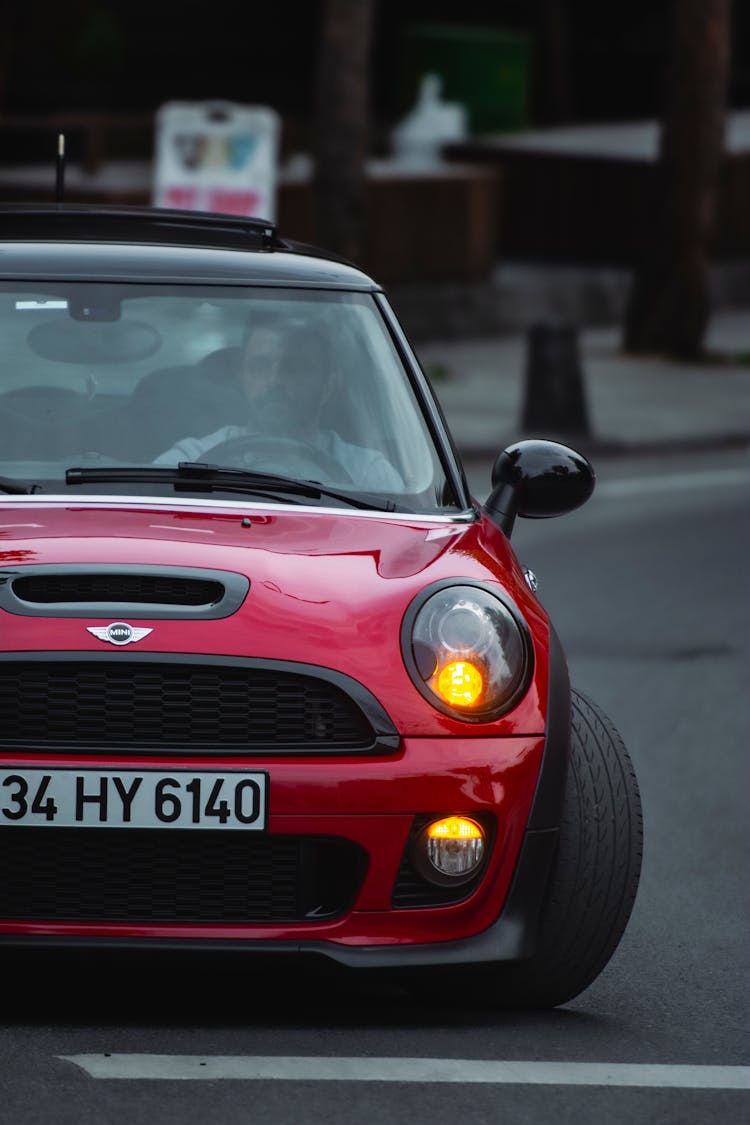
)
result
[(198, 476), (18, 487)]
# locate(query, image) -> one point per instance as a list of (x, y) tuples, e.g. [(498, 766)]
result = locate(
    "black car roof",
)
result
[(151, 244)]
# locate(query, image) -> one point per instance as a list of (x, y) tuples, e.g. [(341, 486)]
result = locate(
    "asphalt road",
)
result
[(648, 589)]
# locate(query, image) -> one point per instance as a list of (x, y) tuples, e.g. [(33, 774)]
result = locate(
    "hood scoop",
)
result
[(125, 591)]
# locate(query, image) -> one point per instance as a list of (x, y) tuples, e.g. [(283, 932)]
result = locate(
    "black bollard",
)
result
[(555, 400)]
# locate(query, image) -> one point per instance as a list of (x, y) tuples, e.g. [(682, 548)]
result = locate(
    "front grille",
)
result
[(134, 875), (145, 589), (131, 705)]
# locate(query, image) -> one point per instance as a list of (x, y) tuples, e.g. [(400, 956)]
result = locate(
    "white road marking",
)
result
[(324, 1069), (673, 482)]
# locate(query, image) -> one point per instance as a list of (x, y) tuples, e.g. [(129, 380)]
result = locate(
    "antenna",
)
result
[(60, 181)]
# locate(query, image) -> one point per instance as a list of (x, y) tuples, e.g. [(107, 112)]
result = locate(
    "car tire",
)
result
[(595, 873), (592, 883)]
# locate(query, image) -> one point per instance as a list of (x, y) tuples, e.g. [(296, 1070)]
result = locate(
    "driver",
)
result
[(287, 384)]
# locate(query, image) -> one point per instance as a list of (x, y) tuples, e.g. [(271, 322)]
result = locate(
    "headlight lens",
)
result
[(467, 651)]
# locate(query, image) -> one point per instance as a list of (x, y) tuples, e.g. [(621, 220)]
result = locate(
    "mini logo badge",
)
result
[(119, 633)]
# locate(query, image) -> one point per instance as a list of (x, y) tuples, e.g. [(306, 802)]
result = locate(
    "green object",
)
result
[(487, 69)]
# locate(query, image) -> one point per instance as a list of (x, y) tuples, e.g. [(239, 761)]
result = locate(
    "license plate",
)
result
[(70, 798)]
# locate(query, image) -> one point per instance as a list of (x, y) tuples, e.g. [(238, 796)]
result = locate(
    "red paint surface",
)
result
[(331, 590)]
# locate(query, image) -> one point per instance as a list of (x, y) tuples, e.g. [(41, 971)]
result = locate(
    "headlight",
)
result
[(467, 650)]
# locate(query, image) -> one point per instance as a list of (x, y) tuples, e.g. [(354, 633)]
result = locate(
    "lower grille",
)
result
[(131, 875), (411, 891)]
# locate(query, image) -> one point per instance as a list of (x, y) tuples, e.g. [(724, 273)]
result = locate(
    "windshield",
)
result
[(299, 383)]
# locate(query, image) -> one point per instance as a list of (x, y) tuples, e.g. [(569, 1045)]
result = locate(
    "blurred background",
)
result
[(555, 60), (555, 194), (562, 222), (589, 144)]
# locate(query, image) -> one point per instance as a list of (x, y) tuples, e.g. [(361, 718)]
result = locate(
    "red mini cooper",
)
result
[(271, 679)]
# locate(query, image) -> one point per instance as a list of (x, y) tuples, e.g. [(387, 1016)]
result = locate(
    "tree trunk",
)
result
[(554, 100), (342, 127), (668, 308)]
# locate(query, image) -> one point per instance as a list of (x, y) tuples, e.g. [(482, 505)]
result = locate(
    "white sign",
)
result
[(217, 156)]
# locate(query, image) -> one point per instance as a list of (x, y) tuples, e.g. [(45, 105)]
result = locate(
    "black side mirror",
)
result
[(537, 479)]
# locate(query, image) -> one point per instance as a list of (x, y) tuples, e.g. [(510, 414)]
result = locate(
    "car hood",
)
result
[(325, 587)]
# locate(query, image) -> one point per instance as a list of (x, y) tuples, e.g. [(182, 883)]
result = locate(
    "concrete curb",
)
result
[(632, 405)]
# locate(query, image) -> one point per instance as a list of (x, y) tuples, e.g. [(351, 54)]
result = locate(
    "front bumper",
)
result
[(368, 805), (511, 937), (517, 781)]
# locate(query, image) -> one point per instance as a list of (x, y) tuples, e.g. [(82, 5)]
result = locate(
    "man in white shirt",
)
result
[(287, 384)]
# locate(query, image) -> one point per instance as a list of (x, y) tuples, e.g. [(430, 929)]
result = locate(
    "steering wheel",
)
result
[(287, 456)]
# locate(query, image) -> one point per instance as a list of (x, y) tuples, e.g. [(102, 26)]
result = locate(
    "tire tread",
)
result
[(594, 879)]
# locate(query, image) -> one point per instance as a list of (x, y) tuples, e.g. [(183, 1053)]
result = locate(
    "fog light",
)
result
[(454, 846)]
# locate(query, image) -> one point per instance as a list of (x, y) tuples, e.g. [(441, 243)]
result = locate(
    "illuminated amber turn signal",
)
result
[(455, 828), (460, 683)]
